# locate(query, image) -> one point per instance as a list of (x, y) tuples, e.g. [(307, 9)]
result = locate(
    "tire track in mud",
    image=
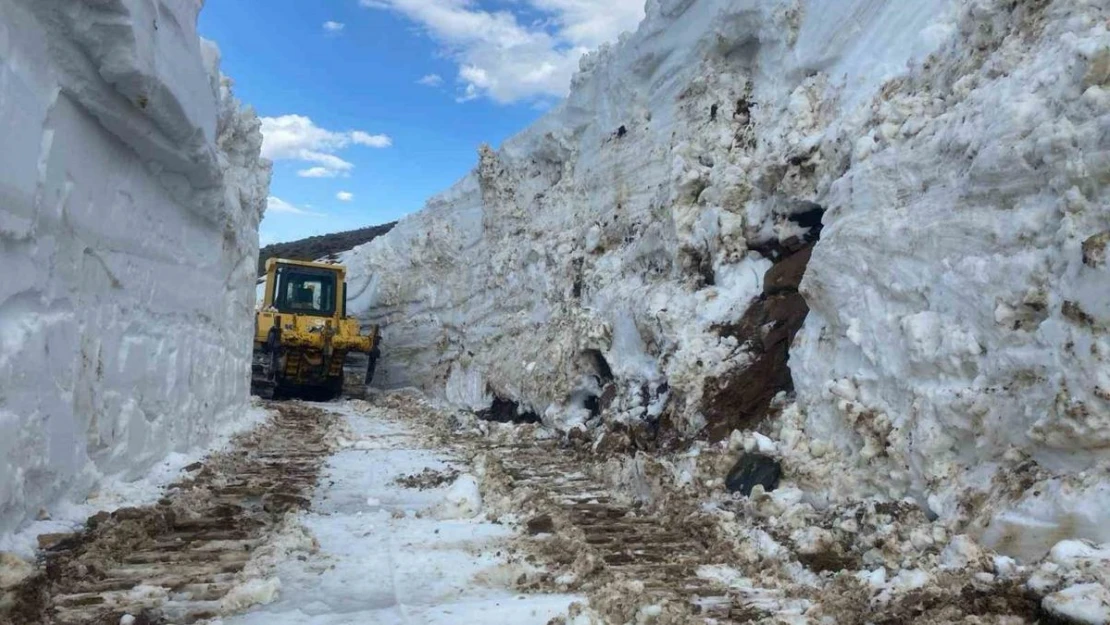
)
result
[(583, 535), (623, 556), (182, 559), (668, 560)]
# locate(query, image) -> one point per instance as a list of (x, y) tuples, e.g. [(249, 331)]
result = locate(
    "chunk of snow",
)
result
[(463, 499), (960, 552), (250, 593), (1081, 603), (875, 579)]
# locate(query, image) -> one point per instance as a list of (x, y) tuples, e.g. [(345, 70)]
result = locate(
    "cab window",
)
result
[(304, 291)]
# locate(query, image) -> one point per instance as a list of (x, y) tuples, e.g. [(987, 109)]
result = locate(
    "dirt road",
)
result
[(183, 559), (324, 514)]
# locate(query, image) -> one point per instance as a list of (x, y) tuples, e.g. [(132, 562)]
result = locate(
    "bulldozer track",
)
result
[(629, 542), (192, 544)]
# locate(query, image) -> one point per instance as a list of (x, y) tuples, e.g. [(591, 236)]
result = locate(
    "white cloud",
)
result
[(374, 141), (317, 172), (344, 196), (505, 60), (278, 205), (431, 80), (334, 27), (297, 138)]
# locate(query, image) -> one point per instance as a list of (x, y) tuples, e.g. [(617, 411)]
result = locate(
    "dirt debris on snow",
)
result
[(742, 398), (428, 478), (658, 538), (203, 550)]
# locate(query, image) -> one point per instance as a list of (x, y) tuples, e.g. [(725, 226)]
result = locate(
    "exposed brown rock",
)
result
[(786, 275), (740, 398), (542, 524)]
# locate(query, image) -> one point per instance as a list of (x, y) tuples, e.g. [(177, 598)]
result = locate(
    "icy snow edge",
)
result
[(131, 172)]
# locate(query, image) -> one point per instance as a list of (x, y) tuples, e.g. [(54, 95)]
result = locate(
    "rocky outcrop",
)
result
[(741, 398)]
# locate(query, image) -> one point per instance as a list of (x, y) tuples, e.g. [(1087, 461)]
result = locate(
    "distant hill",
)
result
[(321, 246)]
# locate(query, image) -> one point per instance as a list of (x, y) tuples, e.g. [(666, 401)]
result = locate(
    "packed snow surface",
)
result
[(130, 195), (386, 553), (957, 342)]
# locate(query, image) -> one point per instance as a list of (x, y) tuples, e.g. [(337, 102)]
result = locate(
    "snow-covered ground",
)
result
[(957, 346), (393, 554), (127, 171)]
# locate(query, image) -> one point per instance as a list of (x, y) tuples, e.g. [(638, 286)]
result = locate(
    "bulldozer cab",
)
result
[(303, 289)]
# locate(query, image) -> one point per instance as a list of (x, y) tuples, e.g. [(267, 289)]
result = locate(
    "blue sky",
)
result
[(371, 106)]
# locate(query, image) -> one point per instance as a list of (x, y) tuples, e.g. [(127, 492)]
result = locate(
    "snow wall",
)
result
[(956, 345), (130, 194)]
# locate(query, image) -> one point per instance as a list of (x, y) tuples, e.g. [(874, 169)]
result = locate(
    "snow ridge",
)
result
[(621, 224), (131, 171), (956, 349)]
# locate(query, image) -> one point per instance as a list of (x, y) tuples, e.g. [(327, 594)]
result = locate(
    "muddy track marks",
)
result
[(623, 556), (581, 534), (176, 561)]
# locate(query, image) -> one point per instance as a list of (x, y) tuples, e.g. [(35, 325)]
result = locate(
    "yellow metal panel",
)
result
[(265, 322), (304, 263)]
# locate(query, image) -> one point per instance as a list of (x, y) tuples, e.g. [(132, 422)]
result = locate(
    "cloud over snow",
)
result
[(509, 56), (297, 138), (278, 205)]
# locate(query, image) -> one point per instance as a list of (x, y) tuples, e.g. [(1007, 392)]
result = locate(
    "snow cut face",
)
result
[(132, 191), (596, 261), (957, 310)]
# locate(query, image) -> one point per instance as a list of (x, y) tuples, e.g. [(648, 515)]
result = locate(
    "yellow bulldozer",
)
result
[(303, 337)]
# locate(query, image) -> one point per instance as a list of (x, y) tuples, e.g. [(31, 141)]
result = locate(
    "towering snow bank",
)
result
[(958, 292), (612, 239), (130, 194), (961, 294)]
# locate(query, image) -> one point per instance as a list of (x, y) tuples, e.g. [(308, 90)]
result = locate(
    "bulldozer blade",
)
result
[(261, 384), (354, 386)]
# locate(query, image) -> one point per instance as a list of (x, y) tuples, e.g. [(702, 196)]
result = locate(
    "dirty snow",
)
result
[(954, 359), (956, 348), (116, 492), (128, 170), (620, 224), (391, 554)]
